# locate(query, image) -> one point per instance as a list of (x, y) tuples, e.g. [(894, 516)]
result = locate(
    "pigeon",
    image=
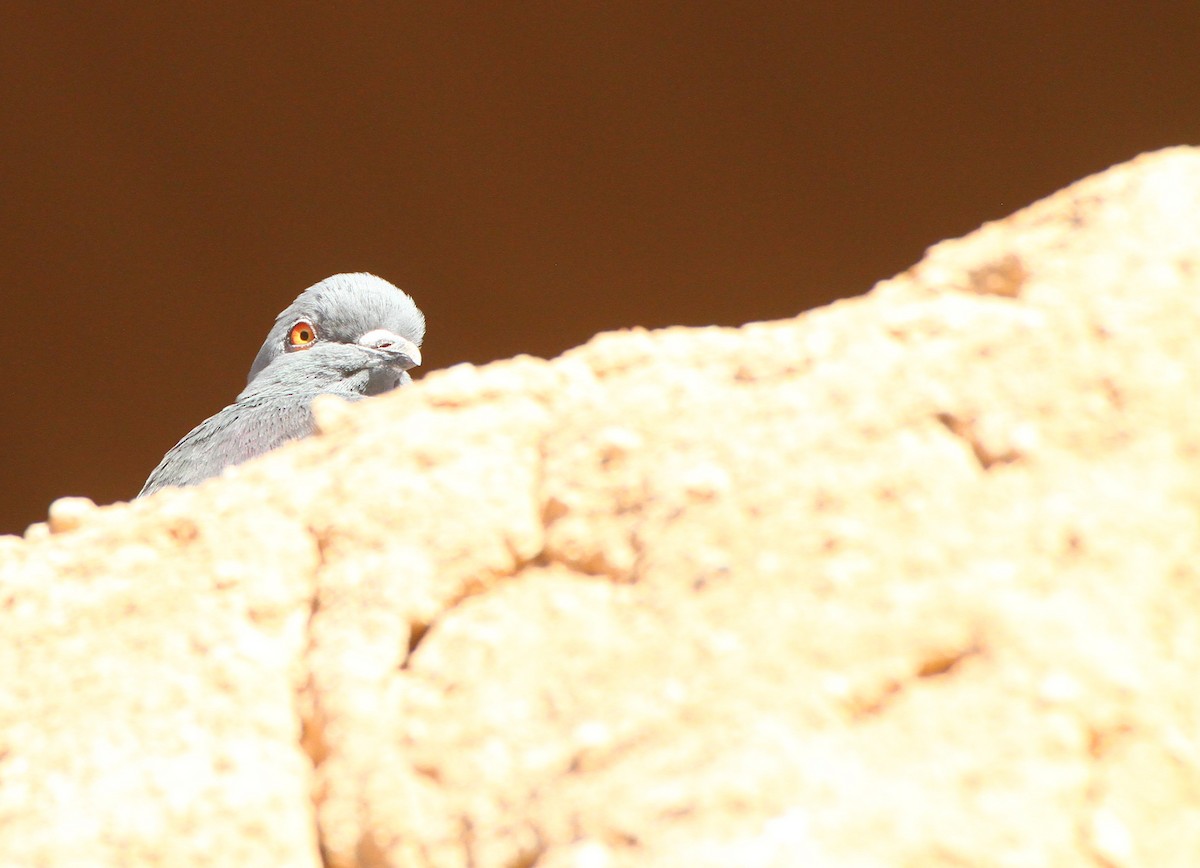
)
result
[(351, 335)]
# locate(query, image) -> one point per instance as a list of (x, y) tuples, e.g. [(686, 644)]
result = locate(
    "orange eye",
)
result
[(302, 335)]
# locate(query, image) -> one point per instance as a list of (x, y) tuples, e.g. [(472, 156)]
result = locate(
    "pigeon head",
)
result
[(352, 335), (362, 311)]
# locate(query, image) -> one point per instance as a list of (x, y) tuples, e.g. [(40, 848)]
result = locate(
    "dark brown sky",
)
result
[(173, 174)]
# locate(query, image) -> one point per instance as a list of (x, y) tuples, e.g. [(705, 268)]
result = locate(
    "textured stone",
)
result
[(906, 580)]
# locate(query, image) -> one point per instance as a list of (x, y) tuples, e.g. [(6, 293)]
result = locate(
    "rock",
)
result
[(69, 513), (906, 580)]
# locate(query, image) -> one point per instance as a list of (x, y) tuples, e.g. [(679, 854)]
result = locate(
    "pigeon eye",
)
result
[(302, 335)]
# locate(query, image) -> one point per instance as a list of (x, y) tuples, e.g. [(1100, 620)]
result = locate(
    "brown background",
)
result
[(531, 173)]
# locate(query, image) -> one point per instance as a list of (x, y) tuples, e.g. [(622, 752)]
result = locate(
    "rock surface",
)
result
[(910, 580)]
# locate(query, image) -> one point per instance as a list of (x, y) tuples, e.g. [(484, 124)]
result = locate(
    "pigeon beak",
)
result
[(401, 352)]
